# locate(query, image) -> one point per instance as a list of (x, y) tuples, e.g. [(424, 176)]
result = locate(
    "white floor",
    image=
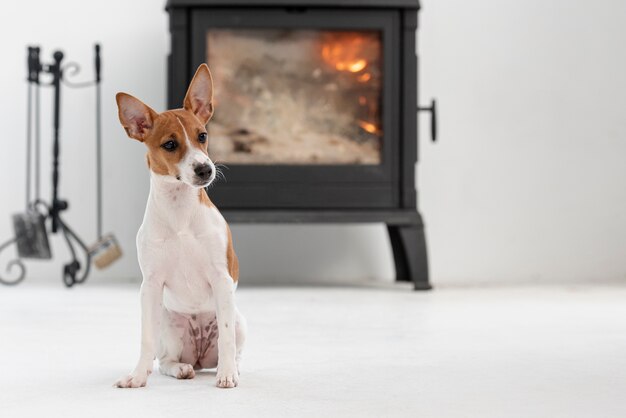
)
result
[(330, 352)]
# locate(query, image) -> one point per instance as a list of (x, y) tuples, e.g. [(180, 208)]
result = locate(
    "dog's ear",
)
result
[(199, 97), (136, 117)]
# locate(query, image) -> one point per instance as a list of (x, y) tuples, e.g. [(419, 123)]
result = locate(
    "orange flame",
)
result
[(357, 66), (364, 78), (369, 127), (345, 53)]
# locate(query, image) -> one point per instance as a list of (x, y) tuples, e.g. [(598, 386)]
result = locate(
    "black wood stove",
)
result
[(316, 111)]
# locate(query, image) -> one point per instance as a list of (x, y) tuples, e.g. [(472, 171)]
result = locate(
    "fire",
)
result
[(364, 78), (357, 66), (356, 53), (353, 67), (345, 52), (369, 127)]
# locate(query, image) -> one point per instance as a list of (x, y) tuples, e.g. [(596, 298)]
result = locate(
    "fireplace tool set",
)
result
[(31, 226)]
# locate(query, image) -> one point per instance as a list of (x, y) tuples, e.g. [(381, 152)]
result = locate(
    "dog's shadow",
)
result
[(202, 378), (205, 373)]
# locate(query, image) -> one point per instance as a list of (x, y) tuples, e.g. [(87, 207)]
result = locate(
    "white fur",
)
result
[(181, 247)]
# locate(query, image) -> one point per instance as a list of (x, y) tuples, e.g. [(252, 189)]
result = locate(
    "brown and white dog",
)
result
[(190, 270)]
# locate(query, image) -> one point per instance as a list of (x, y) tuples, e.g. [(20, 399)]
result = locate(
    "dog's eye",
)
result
[(170, 146), (202, 138)]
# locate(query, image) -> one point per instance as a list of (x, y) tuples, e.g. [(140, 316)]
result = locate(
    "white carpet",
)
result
[(330, 352)]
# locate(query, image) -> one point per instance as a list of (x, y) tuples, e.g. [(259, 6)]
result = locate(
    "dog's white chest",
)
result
[(186, 242)]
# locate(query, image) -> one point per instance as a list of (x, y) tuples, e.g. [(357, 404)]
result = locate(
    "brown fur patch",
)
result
[(155, 129), (204, 198), (199, 97), (231, 258), (167, 126)]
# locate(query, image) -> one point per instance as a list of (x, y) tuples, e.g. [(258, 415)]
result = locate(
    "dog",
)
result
[(184, 246)]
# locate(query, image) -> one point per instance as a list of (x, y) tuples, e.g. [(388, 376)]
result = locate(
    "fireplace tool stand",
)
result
[(30, 226)]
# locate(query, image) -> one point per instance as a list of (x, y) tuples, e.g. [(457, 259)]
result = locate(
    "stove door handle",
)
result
[(433, 118)]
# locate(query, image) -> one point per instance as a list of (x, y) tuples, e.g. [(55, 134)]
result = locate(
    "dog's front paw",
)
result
[(132, 381), (185, 371), (227, 377)]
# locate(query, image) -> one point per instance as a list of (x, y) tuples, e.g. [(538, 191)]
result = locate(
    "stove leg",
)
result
[(408, 243)]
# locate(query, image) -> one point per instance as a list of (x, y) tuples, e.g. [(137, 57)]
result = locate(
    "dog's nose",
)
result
[(203, 171)]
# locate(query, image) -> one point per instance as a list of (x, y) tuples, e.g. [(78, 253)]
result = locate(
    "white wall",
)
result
[(528, 181)]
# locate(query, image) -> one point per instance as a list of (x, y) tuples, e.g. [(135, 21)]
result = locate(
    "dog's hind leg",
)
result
[(174, 333)]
